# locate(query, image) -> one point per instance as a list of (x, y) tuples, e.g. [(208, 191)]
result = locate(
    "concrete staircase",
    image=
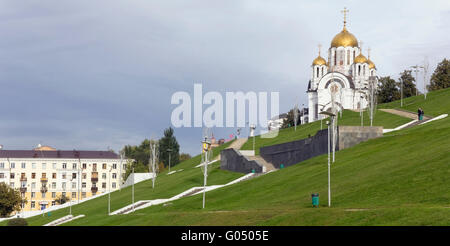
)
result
[(267, 166)]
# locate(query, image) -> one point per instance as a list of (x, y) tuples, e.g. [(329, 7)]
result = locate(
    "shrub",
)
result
[(17, 222)]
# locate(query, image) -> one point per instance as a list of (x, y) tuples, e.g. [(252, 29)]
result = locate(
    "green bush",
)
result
[(17, 222)]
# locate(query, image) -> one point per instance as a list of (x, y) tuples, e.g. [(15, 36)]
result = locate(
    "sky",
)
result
[(98, 75)]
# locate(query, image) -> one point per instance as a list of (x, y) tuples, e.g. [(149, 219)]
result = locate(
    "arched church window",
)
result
[(359, 70), (354, 54), (341, 58), (371, 73), (348, 57), (335, 58), (364, 70), (322, 71), (317, 72)]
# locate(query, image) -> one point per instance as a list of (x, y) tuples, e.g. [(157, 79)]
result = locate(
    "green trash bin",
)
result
[(315, 199)]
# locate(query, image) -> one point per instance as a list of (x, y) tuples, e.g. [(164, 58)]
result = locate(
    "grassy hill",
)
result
[(399, 179)]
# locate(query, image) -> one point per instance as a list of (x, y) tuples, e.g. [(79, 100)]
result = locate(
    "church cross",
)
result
[(320, 46), (345, 11)]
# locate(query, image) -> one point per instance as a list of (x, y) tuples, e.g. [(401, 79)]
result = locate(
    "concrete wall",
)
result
[(138, 177), (296, 151), (232, 160), (352, 135)]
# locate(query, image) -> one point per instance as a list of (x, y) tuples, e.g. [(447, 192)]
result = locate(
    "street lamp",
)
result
[(252, 134), (206, 144), (332, 115), (109, 192)]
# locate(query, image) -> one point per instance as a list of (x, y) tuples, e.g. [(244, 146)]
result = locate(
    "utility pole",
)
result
[(416, 69), (132, 190), (425, 71), (206, 144)]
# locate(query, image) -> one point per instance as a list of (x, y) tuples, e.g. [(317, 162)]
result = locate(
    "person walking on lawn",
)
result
[(420, 113)]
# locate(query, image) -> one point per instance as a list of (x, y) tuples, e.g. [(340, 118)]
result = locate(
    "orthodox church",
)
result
[(343, 79)]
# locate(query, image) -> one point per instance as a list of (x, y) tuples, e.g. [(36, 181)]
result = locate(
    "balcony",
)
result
[(23, 178), (44, 180), (94, 177), (23, 189), (94, 189)]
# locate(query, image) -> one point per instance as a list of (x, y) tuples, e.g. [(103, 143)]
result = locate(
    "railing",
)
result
[(23, 189), (23, 178), (94, 189)]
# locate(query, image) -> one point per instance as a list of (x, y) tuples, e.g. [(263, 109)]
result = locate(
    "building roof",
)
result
[(59, 154)]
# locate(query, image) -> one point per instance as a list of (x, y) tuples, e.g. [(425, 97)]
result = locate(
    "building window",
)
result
[(83, 194), (84, 165), (33, 185), (83, 175), (64, 194), (54, 185), (64, 185), (33, 175), (33, 204), (44, 165), (32, 195), (22, 176), (94, 167), (359, 69), (354, 54), (348, 57), (63, 175), (11, 184), (74, 185), (74, 166), (74, 195), (54, 194), (114, 175), (43, 194), (2, 175), (2, 165), (12, 175), (54, 175), (83, 185), (44, 175), (64, 165), (74, 175), (13, 165), (115, 165), (24, 165), (335, 58), (54, 165), (33, 165), (114, 184), (103, 175), (103, 185), (317, 72), (53, 203), (104, 166)]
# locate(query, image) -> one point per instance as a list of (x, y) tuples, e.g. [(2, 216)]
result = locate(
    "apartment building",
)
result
[(45, 173)]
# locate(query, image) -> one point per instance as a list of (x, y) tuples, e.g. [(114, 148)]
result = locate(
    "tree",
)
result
[(139, 167), (169, 142), (387, 90), (290, 119), (409, 88), (185, 157), (10, 200), (61, 199), (440, 78), (141, 153)]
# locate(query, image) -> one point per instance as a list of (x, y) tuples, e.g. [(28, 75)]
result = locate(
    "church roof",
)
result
[(345, 39), (59, 154)]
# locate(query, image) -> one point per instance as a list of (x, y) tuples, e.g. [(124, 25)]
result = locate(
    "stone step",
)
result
[(267, 165)]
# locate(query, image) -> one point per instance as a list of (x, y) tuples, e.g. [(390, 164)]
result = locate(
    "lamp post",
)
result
[(252, 134), (132, 191), (206, 143), (70, 205), (109, 192), (416, 69), (332, 115)]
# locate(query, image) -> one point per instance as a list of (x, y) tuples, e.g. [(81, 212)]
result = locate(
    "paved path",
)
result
[(403, 113)]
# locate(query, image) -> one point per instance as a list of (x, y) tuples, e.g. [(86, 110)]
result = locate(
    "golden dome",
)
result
[(371, 64), (344, 38), (319, 61), (360, 59)]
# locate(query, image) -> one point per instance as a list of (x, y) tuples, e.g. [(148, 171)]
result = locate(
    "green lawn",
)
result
[(399, 179), (435, 104)]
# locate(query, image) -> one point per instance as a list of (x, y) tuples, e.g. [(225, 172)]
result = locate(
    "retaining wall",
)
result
[(232, 160)]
